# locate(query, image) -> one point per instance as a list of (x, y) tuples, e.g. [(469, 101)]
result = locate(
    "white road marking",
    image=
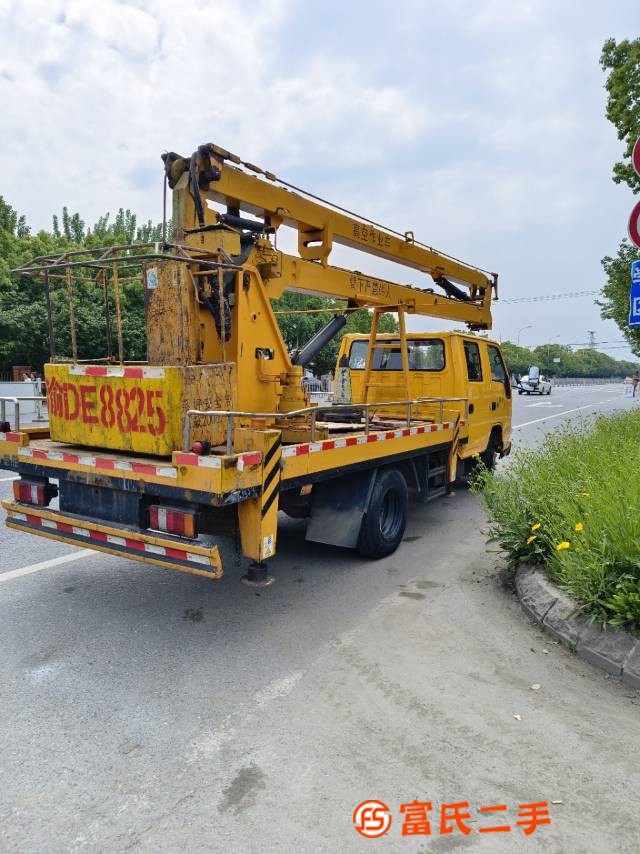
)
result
[(545, 405), (554, 415), (15, 477), (45, 564)]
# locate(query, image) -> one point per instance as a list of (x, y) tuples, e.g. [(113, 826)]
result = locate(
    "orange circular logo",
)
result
[(372, 819)]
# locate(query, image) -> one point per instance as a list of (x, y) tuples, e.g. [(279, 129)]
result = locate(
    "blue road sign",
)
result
[(634, 299)]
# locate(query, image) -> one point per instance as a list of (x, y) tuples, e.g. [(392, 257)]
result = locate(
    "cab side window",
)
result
[(498, 372), (474, 366)]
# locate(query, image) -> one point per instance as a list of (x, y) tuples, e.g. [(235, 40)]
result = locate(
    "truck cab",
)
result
[(441, 364)]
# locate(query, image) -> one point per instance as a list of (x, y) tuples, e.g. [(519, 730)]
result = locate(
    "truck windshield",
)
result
[(424, 355)]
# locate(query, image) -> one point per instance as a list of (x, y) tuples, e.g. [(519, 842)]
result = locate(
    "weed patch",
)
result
[(573, 505)]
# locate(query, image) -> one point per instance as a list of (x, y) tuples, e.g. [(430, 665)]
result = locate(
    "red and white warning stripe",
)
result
[(137, 373), (349, 441), (90, 534), (242, 461), (106, 463), (10, 437)]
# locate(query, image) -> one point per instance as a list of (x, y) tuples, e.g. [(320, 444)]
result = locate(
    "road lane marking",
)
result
[(544, 405), (45, 564), (15, 477), (554, 415)]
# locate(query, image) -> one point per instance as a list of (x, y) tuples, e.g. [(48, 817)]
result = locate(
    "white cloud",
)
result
[(115, 85), (479, 126)]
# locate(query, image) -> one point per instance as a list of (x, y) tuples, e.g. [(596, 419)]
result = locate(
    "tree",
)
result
[(615, 305), (622, 62), (517, 358), (297, 329), (23, 317)]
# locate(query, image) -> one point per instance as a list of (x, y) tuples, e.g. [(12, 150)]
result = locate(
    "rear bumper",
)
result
[(201, 558)]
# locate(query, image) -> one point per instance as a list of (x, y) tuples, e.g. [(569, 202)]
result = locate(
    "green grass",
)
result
[(586, 477)]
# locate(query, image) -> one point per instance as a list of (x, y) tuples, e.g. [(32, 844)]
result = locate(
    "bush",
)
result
[(573, 505)]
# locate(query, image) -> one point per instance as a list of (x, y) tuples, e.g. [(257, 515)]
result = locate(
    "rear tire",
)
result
[(386, 516), (490, 454)]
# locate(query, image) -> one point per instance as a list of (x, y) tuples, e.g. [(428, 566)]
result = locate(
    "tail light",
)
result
[(34, 491), (172, 520)]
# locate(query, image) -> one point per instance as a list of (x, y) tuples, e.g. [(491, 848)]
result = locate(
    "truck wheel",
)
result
[(386, 516), (489, 455)]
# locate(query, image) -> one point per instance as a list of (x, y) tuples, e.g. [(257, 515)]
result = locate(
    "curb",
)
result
[(615, 651)]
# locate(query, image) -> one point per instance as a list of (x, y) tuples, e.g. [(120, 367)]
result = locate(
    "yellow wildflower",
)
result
[(579, 526), (536, 526), (531, 539), (586, 494), (563, 545)]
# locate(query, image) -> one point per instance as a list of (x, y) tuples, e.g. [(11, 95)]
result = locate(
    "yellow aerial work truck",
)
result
[(214, 432)]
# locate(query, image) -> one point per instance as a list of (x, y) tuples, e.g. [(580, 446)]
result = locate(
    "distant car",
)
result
[(534, 385)]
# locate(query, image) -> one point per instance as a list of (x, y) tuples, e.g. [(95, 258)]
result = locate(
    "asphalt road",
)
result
[(150, 711)]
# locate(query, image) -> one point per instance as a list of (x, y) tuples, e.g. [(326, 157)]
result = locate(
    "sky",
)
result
[(478, 126)]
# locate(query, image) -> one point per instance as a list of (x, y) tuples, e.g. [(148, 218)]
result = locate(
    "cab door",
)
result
[(499, 393), (476, 393)]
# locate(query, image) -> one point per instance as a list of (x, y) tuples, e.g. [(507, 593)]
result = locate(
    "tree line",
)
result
[(585, 362), (621, 62), (23, 318)]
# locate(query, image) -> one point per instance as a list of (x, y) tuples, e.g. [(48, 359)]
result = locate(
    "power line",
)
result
[(542, 297)]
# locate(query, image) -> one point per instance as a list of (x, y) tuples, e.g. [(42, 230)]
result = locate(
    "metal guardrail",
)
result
[(568, 381), (313, 411), (16, 408)]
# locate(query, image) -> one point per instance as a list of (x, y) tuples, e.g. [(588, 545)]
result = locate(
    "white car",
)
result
[(534, 385)]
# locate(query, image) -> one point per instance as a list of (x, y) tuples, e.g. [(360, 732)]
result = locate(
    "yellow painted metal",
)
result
[(286, 272), (452, 381), (258, 517), (142, 414), (368, 450), (172, 315), (217, 480), (210, 553), (320, 223), (390, 388)]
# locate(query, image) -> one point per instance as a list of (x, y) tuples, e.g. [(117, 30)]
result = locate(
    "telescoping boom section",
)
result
[(213, 433)]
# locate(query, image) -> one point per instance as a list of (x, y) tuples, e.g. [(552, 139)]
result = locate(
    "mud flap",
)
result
[(338, 507)]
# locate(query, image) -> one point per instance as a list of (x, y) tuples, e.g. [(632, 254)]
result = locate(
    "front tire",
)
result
[(386, 516)]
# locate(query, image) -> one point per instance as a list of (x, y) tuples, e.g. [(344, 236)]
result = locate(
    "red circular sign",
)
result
[(635, 156), (634, 225)]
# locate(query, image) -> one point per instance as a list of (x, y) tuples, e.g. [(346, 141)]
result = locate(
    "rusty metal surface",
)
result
[(139, 414)]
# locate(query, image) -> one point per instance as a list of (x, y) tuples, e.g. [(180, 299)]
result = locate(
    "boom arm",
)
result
[(319, 225)]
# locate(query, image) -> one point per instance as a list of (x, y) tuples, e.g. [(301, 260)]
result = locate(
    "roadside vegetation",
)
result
[(573, 505)]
